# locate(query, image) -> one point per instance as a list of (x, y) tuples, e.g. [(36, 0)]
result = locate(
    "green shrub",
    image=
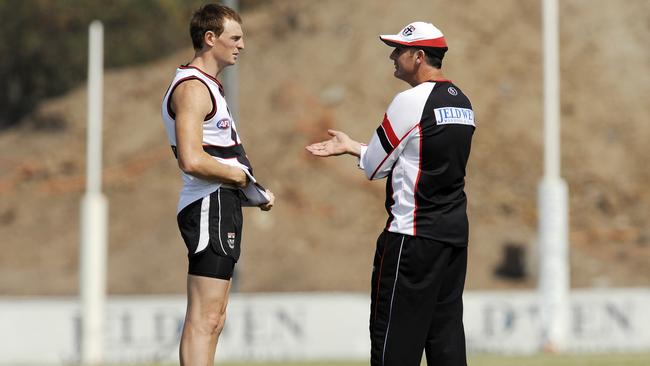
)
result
[(44, 43)]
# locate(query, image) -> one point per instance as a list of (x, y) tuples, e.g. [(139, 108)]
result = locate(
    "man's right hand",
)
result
[(239, 177), (339, 144)]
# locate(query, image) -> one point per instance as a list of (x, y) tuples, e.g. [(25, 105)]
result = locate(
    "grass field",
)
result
[(494, 360)]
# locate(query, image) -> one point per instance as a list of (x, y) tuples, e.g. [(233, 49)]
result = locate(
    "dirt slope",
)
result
[(313, 65)]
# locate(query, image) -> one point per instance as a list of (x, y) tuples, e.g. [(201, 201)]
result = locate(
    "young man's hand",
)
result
[(269, 205), (239, 177)]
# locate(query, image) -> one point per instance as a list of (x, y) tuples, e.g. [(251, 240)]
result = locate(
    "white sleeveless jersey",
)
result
[(220, 138)]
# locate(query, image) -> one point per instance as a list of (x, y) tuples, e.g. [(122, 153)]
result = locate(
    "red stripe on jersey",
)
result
[(415, 186), (392, 138), (387, 155)]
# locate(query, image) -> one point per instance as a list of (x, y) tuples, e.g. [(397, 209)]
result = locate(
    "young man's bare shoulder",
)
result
[(193, 88), (193, 94)]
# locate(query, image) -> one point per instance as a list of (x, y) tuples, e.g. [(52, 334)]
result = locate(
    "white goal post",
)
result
[(94, 212), (553, 280)]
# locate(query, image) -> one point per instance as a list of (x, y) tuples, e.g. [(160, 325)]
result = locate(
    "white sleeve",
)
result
[(364, 148), (388, 141)]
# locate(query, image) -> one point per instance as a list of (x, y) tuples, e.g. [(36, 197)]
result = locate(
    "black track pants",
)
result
[(416, 306)]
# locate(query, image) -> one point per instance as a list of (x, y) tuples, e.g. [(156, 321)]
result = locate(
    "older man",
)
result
[(421, 147)]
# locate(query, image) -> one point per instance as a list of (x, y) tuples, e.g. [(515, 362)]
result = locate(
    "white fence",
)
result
[(308, 326)]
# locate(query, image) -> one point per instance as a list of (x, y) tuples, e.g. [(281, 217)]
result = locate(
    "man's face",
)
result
[(229, 44), (404, 61)]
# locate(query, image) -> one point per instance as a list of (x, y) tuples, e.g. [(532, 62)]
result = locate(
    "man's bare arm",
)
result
[(191, 102)]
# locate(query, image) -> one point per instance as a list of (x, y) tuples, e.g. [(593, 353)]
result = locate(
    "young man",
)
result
[(214, 165), (421, 147)]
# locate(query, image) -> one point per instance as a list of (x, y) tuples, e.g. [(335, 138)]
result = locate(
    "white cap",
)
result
[(416, 34)]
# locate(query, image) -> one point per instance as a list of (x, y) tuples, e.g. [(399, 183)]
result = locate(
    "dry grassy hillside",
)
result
[(311, 65)]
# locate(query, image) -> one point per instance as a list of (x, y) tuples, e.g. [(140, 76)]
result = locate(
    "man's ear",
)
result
[(209, 38), (420, 56)]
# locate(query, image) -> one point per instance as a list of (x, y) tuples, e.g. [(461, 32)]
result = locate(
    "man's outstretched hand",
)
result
[(339, 144)]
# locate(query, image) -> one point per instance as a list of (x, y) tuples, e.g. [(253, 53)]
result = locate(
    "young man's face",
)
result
[(404, 61), (228, 45)]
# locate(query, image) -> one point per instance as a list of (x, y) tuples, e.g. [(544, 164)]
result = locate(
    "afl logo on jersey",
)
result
[(452, 91), (223, 124)]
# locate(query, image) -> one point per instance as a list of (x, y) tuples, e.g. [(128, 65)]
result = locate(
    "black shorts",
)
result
[(211, 228), (416, 305)]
